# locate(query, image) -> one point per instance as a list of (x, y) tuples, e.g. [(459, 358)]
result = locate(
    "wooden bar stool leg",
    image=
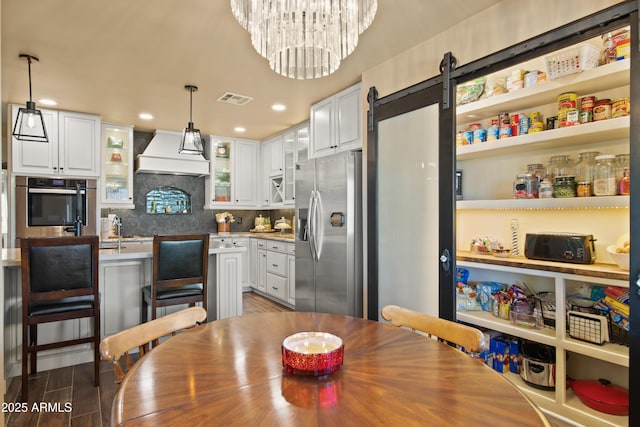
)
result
[(33, 342)]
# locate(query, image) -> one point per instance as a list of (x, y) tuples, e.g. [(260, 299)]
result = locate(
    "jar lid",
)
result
[(606, 156), (535, 165), (525, 175), (603, 101), (565, 178)]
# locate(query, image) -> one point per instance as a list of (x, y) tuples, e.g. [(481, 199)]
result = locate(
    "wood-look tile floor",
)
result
[(86, 405)]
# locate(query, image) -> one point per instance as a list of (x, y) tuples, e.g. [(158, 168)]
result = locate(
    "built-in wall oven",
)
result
[(53, 206)]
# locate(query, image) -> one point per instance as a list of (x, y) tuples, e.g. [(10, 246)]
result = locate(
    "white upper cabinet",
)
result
[(233, 179), (117, 166), (336, 123), (72, 149)]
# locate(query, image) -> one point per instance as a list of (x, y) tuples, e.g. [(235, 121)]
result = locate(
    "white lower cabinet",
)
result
[(274, 266), (574, 358), (121, 297), (243, 243), (228, 292), (261, 284)]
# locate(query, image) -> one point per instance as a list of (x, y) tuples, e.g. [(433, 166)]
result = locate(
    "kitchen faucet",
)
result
[(76, 229), (118, 223)]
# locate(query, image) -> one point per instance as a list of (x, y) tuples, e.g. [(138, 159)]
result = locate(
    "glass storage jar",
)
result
[(564, 186), (623, 174), (525, 186), (604, 178), (559, 166), (584, 172)]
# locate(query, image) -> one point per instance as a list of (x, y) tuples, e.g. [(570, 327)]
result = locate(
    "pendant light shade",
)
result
[(29, 125), (191, 140)]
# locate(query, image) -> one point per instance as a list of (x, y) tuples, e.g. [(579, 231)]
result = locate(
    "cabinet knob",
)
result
[(274, 265), (274, 288)]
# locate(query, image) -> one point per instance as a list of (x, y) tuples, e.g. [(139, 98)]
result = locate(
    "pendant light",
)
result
[(29, 124), (191, 140)]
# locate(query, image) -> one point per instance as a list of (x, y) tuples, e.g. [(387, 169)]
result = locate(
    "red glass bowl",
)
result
[(312, 353)]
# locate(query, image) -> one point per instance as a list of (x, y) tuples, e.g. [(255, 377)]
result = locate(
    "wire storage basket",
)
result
[(572, 60), (588, 324)]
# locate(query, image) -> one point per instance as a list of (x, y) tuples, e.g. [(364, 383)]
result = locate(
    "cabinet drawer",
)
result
[(276, 246), (277, 263), (291, 248), (262, 244), (276, 286)]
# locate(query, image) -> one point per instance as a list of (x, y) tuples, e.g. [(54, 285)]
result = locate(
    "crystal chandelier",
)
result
[(304, 39)]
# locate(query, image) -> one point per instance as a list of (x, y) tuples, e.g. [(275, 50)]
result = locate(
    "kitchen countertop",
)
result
[(609, 271), (130, 249), (138, 247)]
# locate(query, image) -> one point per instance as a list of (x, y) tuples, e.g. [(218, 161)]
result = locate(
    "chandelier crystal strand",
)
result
[(304, 38)]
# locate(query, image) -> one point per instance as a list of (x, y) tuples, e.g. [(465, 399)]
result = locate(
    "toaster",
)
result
[(562, 247)]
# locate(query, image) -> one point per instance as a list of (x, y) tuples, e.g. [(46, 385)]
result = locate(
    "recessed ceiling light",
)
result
[(278, 107), (145, 116), (47, 102), (239, 129)]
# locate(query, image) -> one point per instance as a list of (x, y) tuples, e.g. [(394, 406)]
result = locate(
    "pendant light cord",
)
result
[(29, 66)]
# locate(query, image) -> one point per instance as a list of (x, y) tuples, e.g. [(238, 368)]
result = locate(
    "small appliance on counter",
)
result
[(563, 247)]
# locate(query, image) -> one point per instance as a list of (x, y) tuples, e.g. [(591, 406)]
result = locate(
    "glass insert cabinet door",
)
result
[(117, 172), (222, 170)]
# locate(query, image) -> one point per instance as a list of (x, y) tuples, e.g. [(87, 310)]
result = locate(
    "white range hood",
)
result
[(161, 156)]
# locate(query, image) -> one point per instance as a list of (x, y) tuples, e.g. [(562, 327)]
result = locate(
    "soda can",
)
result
[(468, 136), (504, 131)]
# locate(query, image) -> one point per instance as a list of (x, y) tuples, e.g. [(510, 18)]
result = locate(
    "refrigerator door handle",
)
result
[(310, 225), (318, 226)]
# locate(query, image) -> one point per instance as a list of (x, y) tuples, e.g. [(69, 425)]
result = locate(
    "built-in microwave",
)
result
[(51, 206)]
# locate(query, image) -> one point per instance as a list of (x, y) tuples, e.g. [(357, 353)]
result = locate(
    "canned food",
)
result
[(525, 124), (587, 102), (567, 100), (492, 133), (552, 122), (504, 119), (479, 135), (602, 110), (620, 108), (468, 137), (504, 131), (586, 116), (536, 127), (573, 117), (535, 116), (545, 191)]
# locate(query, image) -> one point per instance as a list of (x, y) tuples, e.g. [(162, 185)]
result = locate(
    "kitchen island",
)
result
[(122, 275)]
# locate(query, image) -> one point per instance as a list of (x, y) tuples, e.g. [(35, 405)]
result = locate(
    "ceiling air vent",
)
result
[(234, 98)]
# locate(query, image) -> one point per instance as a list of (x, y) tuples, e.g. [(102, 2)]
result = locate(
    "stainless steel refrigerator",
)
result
[(329, 234)]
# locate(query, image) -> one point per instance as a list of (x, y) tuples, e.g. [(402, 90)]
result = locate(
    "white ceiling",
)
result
[(118, 58)]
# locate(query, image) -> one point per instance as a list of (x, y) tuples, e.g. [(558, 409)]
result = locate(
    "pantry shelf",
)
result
[(488, 320), (600, 78), (602, 202), (603, 130)]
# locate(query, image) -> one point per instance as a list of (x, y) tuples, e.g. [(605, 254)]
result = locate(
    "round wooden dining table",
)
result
[(229, 372)]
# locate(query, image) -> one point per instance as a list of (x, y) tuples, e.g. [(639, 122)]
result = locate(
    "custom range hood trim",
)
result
[(161, 156)]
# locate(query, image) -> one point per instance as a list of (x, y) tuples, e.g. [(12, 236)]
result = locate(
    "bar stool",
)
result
[(180, 264), (59, 282)]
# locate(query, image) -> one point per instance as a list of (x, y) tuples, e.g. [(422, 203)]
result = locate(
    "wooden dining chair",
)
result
[(59, 282), (146, 336), (470, 338), (180, 264)]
